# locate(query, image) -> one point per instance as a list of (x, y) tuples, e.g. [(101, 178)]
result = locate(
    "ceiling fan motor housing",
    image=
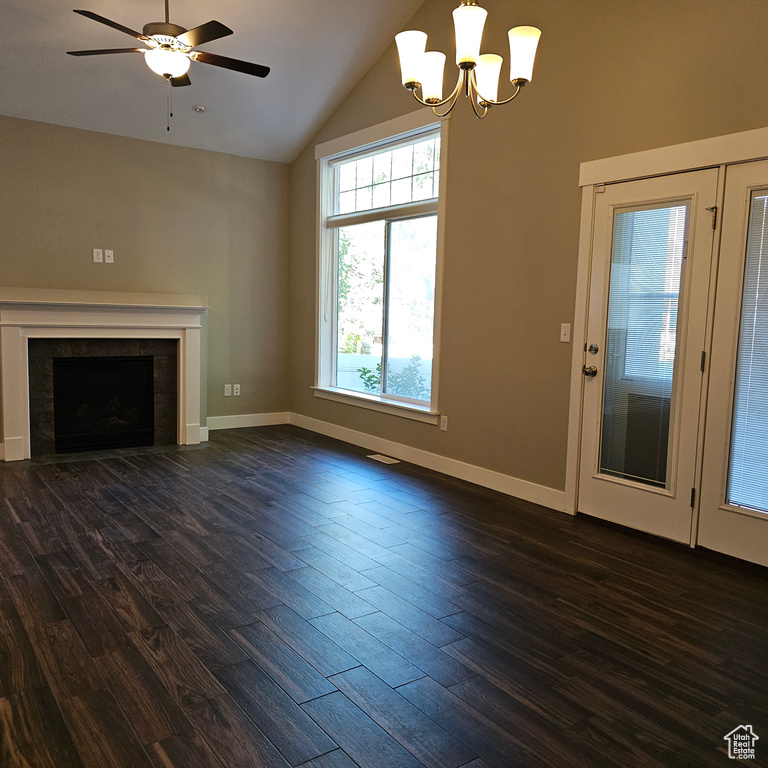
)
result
[(163, 28)]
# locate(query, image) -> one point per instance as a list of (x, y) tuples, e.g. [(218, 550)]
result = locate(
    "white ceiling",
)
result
[(317, 49)]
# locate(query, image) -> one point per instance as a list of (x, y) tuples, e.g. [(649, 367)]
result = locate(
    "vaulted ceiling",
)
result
[(317, 49)]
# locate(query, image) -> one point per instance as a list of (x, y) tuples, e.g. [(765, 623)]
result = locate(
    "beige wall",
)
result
[(179, 220), (611, 78)]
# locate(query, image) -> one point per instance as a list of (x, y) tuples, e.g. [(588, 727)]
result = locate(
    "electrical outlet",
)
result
[(444, 423), (98, 255), (565, 333), (109, 256), (236, 390), (227, 390)]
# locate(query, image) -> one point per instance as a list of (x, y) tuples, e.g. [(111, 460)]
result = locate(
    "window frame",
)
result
[(388, 135)]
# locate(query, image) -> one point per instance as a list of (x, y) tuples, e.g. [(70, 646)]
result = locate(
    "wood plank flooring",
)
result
[(275, 599)]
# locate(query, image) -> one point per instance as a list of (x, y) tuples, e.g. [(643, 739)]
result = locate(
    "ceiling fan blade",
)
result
[(213, 30), (235, 64), (179, 82), (100, 51), (113, 24)]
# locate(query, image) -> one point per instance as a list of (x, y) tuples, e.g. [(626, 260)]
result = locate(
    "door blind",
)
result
[(747, 485), (641, 343)]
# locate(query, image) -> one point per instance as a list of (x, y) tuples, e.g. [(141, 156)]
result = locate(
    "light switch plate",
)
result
[(109, 256), (565, 332)]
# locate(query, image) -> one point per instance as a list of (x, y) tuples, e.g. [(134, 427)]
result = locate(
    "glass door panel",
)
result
[(747, 486), (648, 297), (647, 260), (733, 516)]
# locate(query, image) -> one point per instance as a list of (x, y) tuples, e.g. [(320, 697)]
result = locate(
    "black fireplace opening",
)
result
[(103, 402)]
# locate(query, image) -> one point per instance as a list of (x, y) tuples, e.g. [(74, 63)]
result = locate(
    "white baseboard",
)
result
[(247, 420), (512, 486)]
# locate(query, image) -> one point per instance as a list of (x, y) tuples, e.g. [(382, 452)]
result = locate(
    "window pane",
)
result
[(422, 187), (347, 202), (381, 195), (641, 343), (365, 172), (360, 306), (347, 176), (411, 304), (401, 191), (747, 485), (392, 177), (382, 167), (402, 162), (364, 199), (423, 157)]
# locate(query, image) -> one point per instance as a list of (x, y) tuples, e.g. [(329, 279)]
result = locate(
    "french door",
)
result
[(734, 490), (647, 318)]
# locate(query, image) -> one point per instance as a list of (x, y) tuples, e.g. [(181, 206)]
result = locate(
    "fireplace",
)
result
[(94, 394), (103, 402), (78, 324)]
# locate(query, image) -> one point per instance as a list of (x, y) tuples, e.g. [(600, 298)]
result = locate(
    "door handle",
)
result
[(590, 371)]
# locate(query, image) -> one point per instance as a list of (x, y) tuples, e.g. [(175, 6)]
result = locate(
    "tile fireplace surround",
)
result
[(53, 314)]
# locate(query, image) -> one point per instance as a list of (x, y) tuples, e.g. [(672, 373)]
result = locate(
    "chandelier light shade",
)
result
[(167, 63), (479, 74), (523, 42), (410, 48), (468, 21), (432, 68), (487, 75)]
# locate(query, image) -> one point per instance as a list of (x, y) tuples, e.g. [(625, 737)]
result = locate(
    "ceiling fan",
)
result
[(169, 50)]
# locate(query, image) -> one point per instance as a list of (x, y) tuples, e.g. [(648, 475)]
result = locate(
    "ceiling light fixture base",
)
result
[(163, 28)]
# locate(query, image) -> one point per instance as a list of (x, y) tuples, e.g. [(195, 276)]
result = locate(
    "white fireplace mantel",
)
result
[(50, 314)]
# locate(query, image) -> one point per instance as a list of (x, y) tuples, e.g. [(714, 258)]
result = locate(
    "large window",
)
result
[(379, 271)]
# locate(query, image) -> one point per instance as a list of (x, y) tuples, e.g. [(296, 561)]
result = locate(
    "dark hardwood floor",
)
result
[(277, 599)]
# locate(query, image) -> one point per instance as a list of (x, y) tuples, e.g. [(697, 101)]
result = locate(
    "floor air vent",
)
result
[(383, 459)]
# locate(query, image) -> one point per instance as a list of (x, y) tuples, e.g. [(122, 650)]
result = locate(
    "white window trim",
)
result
[(362, 143)]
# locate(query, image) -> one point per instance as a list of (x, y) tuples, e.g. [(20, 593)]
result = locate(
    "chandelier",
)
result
[(478, 74)]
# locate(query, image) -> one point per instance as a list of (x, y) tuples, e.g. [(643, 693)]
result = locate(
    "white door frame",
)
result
[(715, 152)]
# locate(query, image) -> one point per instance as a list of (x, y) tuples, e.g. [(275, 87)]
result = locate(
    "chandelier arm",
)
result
[(420, 100), (506, 101), (488, 103), (447, 111), (479, 115), (452, 98), (475, 97)]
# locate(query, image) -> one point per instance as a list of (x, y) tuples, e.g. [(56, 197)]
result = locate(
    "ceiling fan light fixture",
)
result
[(167, 63)]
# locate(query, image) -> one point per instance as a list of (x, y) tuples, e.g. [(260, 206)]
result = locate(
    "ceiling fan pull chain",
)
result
[(169, 113)]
